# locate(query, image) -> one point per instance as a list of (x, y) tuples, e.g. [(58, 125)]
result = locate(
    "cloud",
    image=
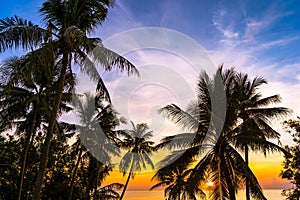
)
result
[(119, 19), (229, 35), (246, 46), (255, 25)]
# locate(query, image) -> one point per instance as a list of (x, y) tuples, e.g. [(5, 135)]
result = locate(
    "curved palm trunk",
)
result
[(127, 181), (45, 148), (25, 154), (247, 180), (125, 186), (75, 173), (230, 187)]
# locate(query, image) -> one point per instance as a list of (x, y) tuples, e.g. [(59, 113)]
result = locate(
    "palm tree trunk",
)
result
[(97, 183), (125, 186), (74, 173), (127, 181), (247, 180), (231, 187), (25, 153), (52, 122)]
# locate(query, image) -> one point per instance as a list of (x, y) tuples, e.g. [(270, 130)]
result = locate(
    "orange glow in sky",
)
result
[(266, 169)]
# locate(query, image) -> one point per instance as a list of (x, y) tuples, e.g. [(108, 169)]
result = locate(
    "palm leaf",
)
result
[(16, 32)]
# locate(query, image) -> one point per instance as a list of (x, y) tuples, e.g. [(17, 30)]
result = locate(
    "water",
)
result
[(159, 195), (270, 194)]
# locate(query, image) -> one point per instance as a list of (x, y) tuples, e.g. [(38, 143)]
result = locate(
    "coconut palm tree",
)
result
[(68, 23), (139, 149), (176, 184), (96, 130), (218, 143), (255, 113)]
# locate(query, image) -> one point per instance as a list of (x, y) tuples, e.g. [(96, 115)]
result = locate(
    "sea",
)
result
[(159, 195)]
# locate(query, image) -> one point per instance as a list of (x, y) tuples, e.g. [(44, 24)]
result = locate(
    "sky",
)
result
[(260, 38)]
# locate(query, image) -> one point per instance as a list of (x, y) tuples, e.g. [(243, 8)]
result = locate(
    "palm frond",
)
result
[(16, 32), (269, 113), (110, 60), (180, 117), (267, 101)]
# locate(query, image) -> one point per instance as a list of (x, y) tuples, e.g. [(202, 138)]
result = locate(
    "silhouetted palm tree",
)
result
[(68, 23), (96, 131), (215, 142), (255, 113), (139, 149), (108, 192), (176, 185)]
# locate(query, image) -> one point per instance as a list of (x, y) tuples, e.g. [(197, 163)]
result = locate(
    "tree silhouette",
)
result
[(215, 144), (176, 185), (139, 149), (68, 23), (292, 160)]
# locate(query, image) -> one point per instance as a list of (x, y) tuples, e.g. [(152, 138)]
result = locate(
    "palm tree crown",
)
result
[(176, 184)]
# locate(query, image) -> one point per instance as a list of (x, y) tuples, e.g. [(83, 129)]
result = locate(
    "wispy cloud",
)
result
[(246, 46), (228, 34), (119, 19), (255, 25)]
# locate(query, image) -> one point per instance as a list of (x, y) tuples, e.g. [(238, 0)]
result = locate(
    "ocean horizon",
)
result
[(271, 194)]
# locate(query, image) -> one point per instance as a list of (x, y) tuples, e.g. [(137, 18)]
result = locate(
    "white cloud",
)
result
[(229, 35)]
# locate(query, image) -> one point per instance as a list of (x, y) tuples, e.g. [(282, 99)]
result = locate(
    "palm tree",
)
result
[(96, 131), (255, 113), (108, 192), (176, 184), (217, 144), (139, 149), (68, 22)]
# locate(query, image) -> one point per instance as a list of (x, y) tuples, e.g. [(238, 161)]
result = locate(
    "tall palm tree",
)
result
[(68, 22), (255, 113), (139, 149), (221, 158), (96, 130), (176, 184)]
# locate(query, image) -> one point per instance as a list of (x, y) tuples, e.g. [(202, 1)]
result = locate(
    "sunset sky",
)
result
[(261, 38)]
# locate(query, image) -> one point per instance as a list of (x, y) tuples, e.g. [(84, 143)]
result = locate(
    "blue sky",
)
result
[(257, 37), (260, 38), (268, 29)]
